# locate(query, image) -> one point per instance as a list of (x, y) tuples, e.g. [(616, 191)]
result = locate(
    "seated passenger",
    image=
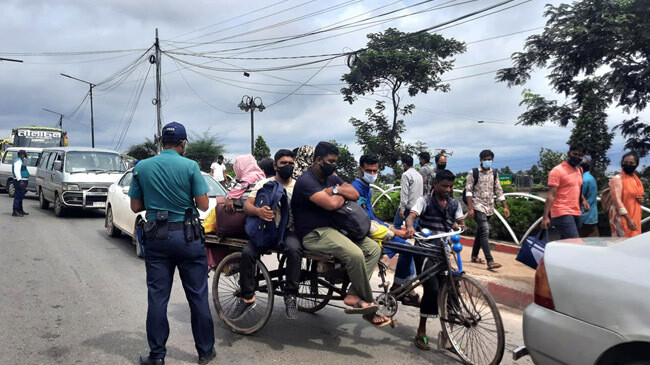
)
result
[(317, 193), (404, 271), (291, 247), (247, 173), (440, 213)]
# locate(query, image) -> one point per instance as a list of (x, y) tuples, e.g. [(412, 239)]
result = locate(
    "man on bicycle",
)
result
[(440, 213)]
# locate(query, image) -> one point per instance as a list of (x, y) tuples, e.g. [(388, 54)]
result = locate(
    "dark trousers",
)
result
[(567, 225), (481, 240), (398, 220), (430, 288), (292, 250), (161, 259), (19, 195), (588, 230)]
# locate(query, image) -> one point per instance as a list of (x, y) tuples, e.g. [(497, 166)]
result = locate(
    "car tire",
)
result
[(110, 224), (42, 202), (11, 189), (59, 208), (139, 250)]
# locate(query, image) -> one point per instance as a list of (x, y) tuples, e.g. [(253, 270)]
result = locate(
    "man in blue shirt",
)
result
[(589, 218), (20, 180), (404, 270), (168, 186)]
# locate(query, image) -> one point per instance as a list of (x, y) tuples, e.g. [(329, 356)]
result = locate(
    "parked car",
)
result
[(76, 177), (120, 218), (592, 303), (6, 175)]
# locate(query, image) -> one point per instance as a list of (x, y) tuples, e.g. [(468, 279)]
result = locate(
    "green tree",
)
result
[(393, 60), (143, 150), (548, 159), (204, 149), (347, 165), (505, 171), (261, 150), (593, 47), (536, 174)]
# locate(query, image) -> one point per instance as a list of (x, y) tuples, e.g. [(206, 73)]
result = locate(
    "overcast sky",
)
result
[(204, 99)]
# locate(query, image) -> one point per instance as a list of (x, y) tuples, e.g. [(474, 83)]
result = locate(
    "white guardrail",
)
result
[(384, 193)]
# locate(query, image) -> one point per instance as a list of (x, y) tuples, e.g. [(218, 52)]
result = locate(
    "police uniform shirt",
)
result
[(168, 181)]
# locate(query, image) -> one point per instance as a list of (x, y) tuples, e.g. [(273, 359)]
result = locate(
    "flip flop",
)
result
[(412, 300), (493, 265), (370, 317), (359, 309), (478, 260), (422, 342)]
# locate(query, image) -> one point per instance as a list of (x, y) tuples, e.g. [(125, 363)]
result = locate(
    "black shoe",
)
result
[(291, 306), (146, 360), (241, 308), (23, 212), (207, 358), (16, 214)]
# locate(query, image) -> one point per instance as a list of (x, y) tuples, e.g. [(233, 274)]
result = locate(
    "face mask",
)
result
[(285, 172), (629, 169), (487, 164), (574, 161), (370, 178), (441, 166), (327, 169)]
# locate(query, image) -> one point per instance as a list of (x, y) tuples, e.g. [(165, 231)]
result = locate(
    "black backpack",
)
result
[(475, 175), (351, 220)]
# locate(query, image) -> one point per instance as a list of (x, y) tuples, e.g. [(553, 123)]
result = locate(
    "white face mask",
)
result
[(370, 178)]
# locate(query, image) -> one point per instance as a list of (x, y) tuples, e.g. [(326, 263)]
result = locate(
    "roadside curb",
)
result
[(503, 294), (495, 246)]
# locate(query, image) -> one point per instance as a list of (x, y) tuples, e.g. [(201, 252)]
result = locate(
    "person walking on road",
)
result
[(562, 207), (428, 172), (170, 188), (218, 170), (482, 185), (20, 181), (627, 193), (412, 188), (589, 218)]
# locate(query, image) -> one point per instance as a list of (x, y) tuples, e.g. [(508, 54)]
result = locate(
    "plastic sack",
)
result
[(210, 222)]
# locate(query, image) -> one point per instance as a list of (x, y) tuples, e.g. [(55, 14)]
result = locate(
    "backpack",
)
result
[(263, 233), (475, 175), (351, 220)]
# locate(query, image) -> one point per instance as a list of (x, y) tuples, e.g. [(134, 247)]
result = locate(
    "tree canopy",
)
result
[(204, 149), (261, 150), (143, 150), (347, 165), (593, 48)]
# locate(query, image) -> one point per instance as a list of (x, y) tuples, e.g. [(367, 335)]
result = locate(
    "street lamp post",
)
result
[(249, 103), (92, 118), (59, 114)]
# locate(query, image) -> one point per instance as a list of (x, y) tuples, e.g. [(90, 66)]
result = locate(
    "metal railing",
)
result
[(384, 193)]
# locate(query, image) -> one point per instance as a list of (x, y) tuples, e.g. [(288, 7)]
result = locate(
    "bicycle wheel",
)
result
[(471, 322), (226, 292), (310, 284)]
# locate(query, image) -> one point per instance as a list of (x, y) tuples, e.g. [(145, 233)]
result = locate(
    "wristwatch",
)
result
[(335, 190)]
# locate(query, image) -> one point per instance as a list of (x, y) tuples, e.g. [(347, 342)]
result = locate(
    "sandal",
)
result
[(478, 260), (422, 342), (358, 308), (370, 318), (493, 265), (412, 300)]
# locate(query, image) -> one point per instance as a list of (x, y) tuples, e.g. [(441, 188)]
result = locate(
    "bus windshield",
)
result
[(93, 162)]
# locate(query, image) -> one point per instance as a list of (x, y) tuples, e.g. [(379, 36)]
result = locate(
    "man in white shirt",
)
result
[(21, 178), (218, 169), (412, 189)]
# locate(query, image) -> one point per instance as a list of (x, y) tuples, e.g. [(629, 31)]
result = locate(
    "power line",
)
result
[(78, 53)]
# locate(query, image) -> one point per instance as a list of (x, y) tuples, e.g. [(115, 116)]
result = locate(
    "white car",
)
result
[(120, 218), (6, 164), (592, 304)]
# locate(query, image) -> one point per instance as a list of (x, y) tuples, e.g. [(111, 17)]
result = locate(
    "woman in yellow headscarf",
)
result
[(627, 196)]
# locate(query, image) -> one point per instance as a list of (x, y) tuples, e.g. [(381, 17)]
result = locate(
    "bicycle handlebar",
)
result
[(419, 236)]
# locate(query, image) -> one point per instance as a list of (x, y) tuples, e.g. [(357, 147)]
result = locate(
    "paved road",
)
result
[(70, 294)]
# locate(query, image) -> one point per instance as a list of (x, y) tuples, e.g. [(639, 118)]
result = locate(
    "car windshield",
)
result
[(215, 189), (93, 162)]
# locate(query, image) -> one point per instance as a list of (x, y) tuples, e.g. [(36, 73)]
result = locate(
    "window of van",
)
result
[(43, 161), (31, 159), (93, 162), (50, 161), (9, 157)]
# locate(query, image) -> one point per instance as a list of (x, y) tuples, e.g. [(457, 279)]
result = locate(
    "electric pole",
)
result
[(92, 115), (60, 117), (157, 103)]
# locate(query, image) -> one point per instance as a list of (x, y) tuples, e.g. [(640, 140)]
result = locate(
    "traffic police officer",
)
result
[(168, 186), (20, 180)]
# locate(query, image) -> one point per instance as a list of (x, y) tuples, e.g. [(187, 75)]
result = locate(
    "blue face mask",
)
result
[(486, 164), (370, 178)]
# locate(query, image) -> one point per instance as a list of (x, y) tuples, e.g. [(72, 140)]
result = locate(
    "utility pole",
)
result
[(10, 60), (60, 117), (246, 104), (158, 74), (92, 115)]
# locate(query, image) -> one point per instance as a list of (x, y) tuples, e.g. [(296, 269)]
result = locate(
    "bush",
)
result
[(385, 208)]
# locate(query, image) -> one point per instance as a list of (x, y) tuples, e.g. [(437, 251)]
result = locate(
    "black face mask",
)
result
[(441, 166), (327, 169), (285, 172), (628, 169), (574, 161)]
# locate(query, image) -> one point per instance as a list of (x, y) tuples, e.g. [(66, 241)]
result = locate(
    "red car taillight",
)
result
[(543, 295)]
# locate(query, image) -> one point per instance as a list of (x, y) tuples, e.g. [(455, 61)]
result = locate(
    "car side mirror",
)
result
[(58, 165), (125, 189)]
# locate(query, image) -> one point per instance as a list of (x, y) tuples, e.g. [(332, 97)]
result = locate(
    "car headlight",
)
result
[(71, 187)]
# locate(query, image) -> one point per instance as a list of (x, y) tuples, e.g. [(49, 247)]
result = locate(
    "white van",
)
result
[(6, 175), (76, 177)]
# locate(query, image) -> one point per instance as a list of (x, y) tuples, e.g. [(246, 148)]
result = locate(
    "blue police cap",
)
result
[(22, 152), (173, 132)]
